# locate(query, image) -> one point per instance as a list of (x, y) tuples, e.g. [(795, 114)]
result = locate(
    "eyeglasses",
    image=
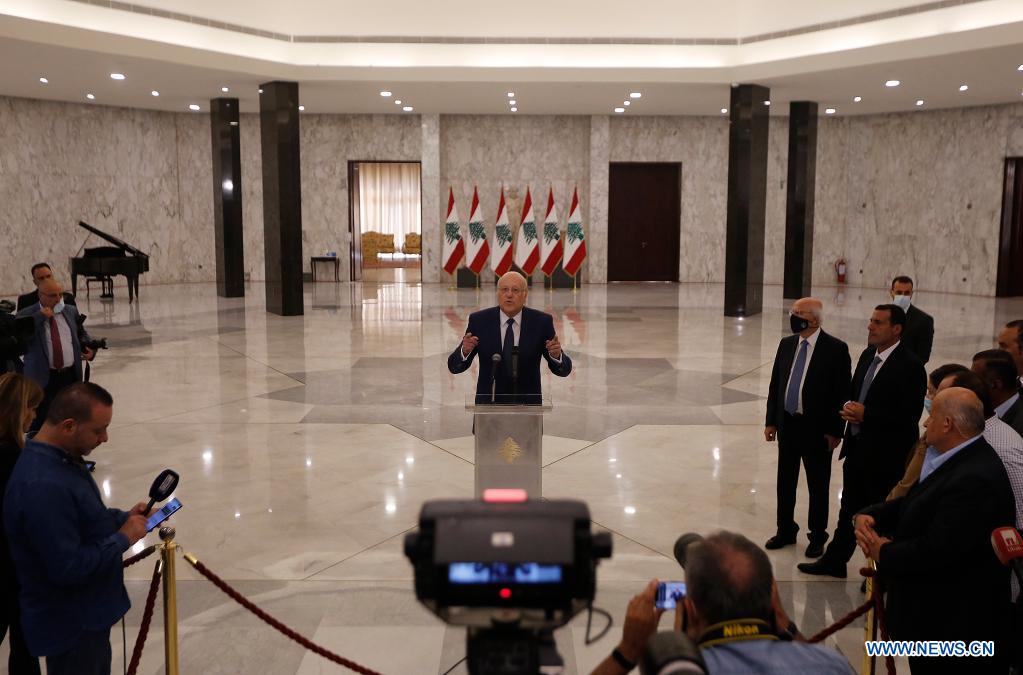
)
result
[(513, 291)]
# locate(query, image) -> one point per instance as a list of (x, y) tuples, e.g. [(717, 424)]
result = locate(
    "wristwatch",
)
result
[(621, 660)]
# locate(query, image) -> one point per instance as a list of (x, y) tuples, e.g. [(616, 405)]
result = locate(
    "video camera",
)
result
[(510, 572), (94, 344)]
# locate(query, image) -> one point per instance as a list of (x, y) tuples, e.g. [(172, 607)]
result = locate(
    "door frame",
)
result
[(677, 216), (1010, 198), (354, 242)]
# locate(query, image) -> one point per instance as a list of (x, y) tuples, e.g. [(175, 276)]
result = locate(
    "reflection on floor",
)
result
[(307, 444), (399, 275)]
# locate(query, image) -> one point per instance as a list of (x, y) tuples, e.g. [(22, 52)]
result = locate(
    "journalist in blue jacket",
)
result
[(522, 336)]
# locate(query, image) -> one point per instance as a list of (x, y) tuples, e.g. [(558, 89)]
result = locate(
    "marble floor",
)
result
[(306, 446)]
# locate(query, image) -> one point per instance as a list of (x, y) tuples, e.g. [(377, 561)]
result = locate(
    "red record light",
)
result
[(505, 593)]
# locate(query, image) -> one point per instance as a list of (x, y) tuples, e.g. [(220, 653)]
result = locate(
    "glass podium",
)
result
[(509, 437)]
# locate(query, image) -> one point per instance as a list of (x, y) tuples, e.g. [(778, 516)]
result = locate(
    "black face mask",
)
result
[(798, 323)]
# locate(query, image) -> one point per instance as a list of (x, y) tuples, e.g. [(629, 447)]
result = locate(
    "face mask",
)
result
[(798, 323), (59, 307), (902, 301), (927, 404)]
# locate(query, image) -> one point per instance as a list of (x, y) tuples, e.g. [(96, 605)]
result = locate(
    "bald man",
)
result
[(809, 384), (54, 356), (521, 336), (938, 537)]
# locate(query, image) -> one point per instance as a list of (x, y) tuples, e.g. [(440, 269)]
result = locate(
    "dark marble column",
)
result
[(799, 198), (747, 196), (282, 197), (227, 197)]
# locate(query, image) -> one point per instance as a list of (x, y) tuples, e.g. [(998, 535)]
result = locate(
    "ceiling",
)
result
[(558, 58)]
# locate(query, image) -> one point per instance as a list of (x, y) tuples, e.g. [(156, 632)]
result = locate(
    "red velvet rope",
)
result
[(274, 623), (875, 602), (142, 555), (147, 617)]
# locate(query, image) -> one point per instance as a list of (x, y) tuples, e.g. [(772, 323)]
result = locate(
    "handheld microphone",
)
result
[(670, 652), (163, 486), (682, 543), (495, 362), (1008, 546)]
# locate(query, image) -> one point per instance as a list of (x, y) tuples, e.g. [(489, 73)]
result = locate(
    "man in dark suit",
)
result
[(809, 384), (1010, 339), (40, 272), (998, 370), (55, 352), (521, 336), (888, 389), (919, 333), (938, 537)]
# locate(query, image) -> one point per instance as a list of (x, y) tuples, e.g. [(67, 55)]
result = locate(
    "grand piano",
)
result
[(103, 262)]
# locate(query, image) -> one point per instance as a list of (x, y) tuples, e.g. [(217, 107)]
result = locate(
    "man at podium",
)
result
[(510, 340)]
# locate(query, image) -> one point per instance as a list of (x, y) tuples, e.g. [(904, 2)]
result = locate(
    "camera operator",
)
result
[(732, 611), (13, 340)]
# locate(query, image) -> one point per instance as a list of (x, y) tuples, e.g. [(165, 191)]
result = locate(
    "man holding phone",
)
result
[(66, 544)]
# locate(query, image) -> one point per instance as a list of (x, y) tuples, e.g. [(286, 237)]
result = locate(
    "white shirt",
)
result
[(503, 328), (66, 345), (1000, 410), (1008, 445), (811, 342), (884, 357)]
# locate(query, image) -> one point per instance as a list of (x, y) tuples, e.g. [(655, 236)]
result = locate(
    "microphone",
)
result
[(162, 487), (495, 362), (1008, 546), (682, 543), (670, 652)]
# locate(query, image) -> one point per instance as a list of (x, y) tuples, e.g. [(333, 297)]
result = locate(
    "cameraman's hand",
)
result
[(47, 312), (134, 528), (641, 619), (88, 354)]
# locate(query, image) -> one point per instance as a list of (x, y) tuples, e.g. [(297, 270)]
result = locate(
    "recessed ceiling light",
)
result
[(619, 110), (116, 76), (193, 106), (1020, 67), (397, 102), (636, 94), (260, 91), (44, 80), (511, 94), (511, 101), (91, 97), (829, 111), (892, 83), (514, 109), (919, 101), (301, 108), (626, 103), (224, 89), (385, 93), (767, 103), (963, 87), (155, 93), (408, 108), (857, 99), (724, 111)]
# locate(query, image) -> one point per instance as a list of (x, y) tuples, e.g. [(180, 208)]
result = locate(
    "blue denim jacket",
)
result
[(66, 549)]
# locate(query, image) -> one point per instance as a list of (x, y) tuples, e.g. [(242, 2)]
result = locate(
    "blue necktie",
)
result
[(792, 395), (867, 380)]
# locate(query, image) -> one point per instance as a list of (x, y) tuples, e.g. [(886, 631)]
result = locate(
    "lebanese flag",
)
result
[(550, 246), (479, 248), (454, 247), (575, 247), (501, 261), (527, 245)]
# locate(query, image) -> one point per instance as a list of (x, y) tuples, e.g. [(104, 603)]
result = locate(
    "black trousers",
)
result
[(90, 656), (58, 380), (862, 486), (19, 661), (799, 441)]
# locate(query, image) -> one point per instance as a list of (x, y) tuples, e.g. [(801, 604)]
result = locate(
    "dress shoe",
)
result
[(823, 568), (815, 549), (780, 541)]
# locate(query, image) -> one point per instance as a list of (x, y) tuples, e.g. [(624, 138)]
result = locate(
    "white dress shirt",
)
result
[(811, 342), (884, 357), (66, 345)]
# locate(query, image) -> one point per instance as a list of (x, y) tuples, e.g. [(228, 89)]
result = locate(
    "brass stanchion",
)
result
[(170, 600), (869, 627)]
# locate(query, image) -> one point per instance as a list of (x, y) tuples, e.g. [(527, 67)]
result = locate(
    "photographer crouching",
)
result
[(731, 610)]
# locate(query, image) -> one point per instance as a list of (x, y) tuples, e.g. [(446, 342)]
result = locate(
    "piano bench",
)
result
[(106, 286)]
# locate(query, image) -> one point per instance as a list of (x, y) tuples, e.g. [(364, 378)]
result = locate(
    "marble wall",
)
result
[(916, 193)]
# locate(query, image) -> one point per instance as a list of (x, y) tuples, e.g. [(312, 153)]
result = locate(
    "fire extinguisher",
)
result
[(840, 268)]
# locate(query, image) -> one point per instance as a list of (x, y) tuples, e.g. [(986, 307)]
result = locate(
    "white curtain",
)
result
[(389, 199)]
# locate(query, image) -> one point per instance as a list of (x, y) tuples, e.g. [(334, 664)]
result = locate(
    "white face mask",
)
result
[(59, 307), (902, 301)]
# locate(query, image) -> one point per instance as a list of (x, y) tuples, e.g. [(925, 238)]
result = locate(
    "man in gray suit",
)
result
[(54, 356)]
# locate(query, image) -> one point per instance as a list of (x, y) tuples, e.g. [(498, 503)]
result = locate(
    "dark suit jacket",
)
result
[(537, 327), (892, 410), (825, 388), (944, 580), (918, 333), (37, 365), (1014, 415), (32, 298)]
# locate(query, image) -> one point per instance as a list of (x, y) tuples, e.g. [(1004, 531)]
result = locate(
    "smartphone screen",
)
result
[(168, 509), (669, 593)]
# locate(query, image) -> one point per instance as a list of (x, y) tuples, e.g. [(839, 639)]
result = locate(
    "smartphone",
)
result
[(669, 593), (168, 509)]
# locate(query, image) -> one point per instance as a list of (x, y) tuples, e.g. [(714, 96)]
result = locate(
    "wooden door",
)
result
[(1010, 243), (644, 221)]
